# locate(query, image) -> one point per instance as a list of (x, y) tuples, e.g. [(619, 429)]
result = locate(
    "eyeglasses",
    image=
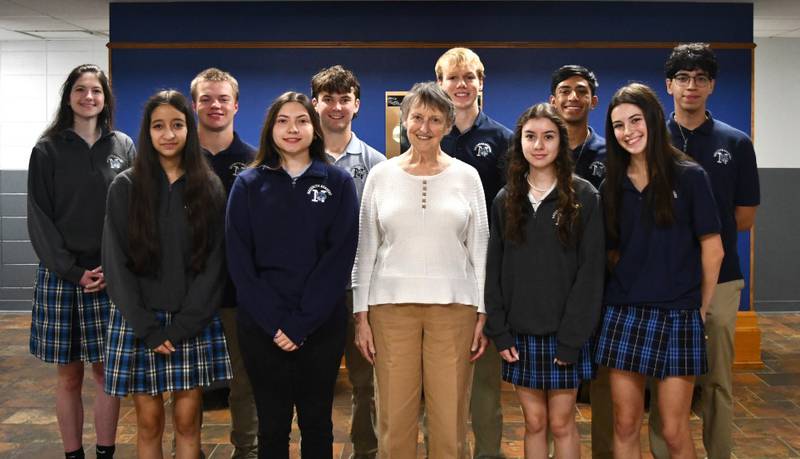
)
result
[(683, 80)]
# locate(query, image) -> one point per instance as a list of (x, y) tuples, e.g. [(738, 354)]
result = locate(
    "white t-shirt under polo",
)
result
[(422, 239)]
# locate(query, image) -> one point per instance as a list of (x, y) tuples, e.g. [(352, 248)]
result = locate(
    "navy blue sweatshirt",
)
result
[(291, 243)]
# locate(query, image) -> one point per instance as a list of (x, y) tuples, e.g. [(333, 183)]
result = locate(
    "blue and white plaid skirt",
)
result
[(67, 324), (535, 368), (652, 341), (133, 368)]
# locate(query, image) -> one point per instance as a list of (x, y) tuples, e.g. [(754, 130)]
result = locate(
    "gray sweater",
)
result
[(193, 297), (540, 287), (67, 185)]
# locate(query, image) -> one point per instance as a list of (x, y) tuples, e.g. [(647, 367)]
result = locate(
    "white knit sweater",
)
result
[(422, 239)]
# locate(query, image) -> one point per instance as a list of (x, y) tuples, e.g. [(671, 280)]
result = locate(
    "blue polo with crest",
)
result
[(484, 146), (291, 242), (590, 158), (660, 266), (728, 157)]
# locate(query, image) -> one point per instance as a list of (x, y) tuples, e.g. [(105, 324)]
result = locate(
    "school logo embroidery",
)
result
[(237, 168), (674, 194), (115, 162), (483, 149), (722, 156), (319, 193), (556, 216), (598, 169), (358, 172)]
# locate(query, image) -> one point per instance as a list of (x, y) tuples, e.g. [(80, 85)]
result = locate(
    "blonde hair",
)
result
[(459, 56), (214, 74)]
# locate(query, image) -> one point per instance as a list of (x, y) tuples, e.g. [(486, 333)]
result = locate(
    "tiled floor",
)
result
[(767, 404)]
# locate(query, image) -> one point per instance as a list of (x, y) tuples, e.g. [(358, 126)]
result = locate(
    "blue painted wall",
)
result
[(516, 77)]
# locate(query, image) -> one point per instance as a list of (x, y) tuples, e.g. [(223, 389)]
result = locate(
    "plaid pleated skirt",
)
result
[(535, 368), (67, 324), (652, 341), (132, 368)]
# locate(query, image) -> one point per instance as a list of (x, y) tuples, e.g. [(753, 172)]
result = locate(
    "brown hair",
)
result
[(268, 153), (517, 204), (215, 74)]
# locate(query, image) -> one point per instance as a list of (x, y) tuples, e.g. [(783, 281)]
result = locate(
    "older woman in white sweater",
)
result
[(418, 283)]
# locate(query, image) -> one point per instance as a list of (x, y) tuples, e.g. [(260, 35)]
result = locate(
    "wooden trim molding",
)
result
[(412, 44)]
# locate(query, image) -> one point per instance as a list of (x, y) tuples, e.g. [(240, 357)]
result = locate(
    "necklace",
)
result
[(683, 136), (583, 145), (533, 185)]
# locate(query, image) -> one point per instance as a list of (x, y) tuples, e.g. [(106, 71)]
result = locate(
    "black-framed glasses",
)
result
[(683, 80)]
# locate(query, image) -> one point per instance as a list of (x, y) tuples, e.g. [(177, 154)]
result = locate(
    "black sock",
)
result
[(105, 452), (77, 454)]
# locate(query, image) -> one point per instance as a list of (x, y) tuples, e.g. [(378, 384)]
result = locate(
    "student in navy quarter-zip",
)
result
[(71, 168), (292, 229)]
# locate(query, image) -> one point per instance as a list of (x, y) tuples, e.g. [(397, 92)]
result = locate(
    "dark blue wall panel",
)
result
[(516, 77)]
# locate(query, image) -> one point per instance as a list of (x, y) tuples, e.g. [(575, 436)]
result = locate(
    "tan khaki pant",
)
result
[(602, 416), (244, 420), (422, 347), (716, 387)]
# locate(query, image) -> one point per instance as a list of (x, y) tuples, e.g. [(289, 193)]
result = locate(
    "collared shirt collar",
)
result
[(480, 120), (706, 128)]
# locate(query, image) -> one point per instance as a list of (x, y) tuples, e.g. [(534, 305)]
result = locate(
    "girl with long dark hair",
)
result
[(292, 229), (71, 168), (163, 254), (544, 279), (664, 248)]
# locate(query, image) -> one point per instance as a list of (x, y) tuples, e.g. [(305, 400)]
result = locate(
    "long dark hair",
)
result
[(661, 158), (201, 203), (65, 117), (268, 153), (517, 204)]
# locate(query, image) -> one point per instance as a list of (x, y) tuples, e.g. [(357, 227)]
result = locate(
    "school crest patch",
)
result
[(483, 149), (359, 172), (722, 156), (597, 169), (237, 168), (319, 193), (115, 162)]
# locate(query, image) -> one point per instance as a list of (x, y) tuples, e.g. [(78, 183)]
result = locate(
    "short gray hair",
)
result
[(430, 95)]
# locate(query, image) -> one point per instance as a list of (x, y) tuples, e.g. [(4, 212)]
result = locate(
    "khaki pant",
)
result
[(359, 372), (422, 347), (485, 411), (244, 420), (716, 387)]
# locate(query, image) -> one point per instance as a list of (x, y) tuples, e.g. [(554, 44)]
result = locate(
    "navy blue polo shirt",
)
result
[(227, 164), (484, 147), (590, 158), (728, 158), (661, 266)]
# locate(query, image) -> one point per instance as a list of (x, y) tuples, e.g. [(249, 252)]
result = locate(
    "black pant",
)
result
[(302, 379)]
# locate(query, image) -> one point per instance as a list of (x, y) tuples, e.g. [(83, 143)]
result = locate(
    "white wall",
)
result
[(777, 102), (31, 75)]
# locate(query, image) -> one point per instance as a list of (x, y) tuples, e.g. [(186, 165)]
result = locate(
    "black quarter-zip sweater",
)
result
[(67, 185), (539, 287)]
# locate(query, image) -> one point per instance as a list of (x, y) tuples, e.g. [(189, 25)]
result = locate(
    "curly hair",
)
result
[(517, 204)]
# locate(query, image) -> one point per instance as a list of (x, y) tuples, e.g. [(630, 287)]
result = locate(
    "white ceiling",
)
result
[(88, 19)]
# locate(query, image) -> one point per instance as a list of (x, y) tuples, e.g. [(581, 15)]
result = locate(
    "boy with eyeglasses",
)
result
[(728, 157)]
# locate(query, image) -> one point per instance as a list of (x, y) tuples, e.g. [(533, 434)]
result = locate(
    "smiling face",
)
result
[(293, 130), (336, 111), (462, 84), (540, 143), (216, 105), (630, 128), (425, 127), (86, 98), (573, 99), (168, 132)]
